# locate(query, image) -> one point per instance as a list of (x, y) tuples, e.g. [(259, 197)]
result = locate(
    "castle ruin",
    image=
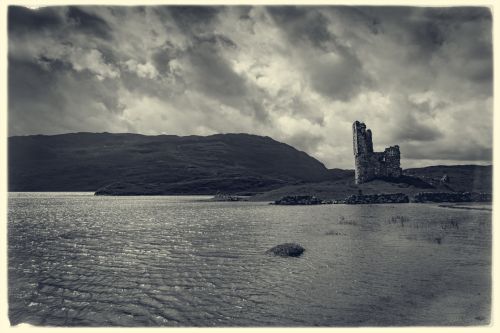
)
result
[(368, 164)]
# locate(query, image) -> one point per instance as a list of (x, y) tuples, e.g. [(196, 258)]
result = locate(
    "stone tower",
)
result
[(369, 165)]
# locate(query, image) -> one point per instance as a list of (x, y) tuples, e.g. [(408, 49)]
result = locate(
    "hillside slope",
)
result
[(462, 178), (163, 164)]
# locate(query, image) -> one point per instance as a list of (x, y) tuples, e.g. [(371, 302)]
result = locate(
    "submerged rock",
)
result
[(286, 250)]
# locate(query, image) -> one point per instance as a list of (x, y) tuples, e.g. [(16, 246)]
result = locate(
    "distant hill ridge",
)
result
[(127, 163), (178, 164)]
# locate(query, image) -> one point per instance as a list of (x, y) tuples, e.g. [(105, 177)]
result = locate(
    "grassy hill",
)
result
[(163, 164), (462, 178)]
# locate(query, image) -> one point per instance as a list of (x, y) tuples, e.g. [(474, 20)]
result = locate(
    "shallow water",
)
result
[(80, 260)]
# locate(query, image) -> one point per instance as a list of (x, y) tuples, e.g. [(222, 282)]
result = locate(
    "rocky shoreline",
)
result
[(292, 200), (374, 199), (452, 197), (384, 198)]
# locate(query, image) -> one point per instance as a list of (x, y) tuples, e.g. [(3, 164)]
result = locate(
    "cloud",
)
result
[(146, 70), (305, 140), (193, 19), (210, 73), (336, 76), (162, 57), (22, 20), (302, 24), (88, 23), (418, 77), (463, 152), (330, 64), (92, 61), (44, 106)]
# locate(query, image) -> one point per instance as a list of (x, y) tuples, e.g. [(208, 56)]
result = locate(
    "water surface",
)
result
[(80, 260)]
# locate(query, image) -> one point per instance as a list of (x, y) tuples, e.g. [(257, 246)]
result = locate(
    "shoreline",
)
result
[(247, 199), (468, 207)]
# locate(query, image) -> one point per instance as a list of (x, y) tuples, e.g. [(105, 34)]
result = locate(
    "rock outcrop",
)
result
[(299, 200), (452, 197), (287, 250), (375, 199)]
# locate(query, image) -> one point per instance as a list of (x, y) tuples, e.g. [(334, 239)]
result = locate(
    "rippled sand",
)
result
[(80, 260)]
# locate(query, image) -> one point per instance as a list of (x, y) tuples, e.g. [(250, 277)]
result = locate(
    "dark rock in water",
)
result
[(299, 200), (333, 233), (287, 250), (376, 199)]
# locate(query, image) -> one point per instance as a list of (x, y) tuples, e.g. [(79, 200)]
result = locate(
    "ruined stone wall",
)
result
[(368, 164)]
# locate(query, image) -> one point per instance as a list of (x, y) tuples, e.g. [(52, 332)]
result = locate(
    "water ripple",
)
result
[(79, 260)]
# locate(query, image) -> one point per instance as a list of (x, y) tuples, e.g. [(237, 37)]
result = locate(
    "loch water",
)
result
[(75, 259)]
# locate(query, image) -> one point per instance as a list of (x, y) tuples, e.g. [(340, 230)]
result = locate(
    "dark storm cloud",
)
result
[(305, 24), (187, 16), (48, 94), (209, 72), (212, 74), (414, 123), (191, 19), (339, 78), (205, 67), (416, 132), (422, 37), (29, 81), (337, 73), (426, 29), (88, 23), (300, 109), (162, 57), (217, 39), (458, 14), (24, 20), (56, 20)]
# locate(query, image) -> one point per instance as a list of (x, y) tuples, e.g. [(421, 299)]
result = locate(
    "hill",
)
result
[(462, 178), (163, 164)]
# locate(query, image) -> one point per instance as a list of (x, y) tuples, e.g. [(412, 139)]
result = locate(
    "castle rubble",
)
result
[(369, 165)]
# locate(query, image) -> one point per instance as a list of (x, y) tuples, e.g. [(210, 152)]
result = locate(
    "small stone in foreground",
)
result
[(287, 250)]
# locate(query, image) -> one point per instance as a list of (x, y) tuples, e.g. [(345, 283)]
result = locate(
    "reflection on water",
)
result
[(80, 260)]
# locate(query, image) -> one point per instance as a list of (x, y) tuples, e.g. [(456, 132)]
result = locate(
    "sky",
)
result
[(421, 78)]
